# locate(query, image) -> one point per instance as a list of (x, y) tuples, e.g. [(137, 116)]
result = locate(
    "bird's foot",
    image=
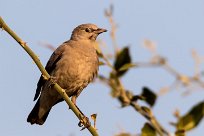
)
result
[(52, 80), (84, 122)]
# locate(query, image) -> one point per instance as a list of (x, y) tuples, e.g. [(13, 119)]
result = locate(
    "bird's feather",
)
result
[(51, 64)]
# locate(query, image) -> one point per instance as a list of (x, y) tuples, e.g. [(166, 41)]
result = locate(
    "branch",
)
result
[(149, 116), (61, 91), (125, 98)]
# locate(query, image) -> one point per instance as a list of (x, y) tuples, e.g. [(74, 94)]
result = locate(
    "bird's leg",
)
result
[(84, 121), (74, 99)]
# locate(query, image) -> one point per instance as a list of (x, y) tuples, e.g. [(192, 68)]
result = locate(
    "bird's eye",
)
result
[(89, 30)]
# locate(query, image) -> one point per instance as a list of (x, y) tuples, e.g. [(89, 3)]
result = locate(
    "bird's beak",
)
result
[(100, 30)]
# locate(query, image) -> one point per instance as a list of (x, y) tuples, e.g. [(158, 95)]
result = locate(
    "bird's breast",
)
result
[(76, 68)]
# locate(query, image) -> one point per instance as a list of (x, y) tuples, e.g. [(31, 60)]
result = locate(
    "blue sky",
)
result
[(176, 27)]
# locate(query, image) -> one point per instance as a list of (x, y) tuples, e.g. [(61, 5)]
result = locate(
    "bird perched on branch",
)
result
[(73, 65)]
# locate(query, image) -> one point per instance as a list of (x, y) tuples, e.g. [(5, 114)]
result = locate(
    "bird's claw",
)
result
[(84, 123), (52, 80)]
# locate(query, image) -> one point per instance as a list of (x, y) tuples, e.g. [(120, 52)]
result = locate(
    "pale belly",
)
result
[(76, 75)]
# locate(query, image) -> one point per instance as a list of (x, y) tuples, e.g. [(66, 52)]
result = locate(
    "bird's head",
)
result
[(86, 31)]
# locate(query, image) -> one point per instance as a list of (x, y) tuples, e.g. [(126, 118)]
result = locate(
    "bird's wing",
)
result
[(51, 64)]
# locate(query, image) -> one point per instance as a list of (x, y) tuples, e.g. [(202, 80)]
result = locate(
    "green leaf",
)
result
[(122, 58), (192, 118), (101, 63), (149, 95), (99, 53), (127, 66), (180, 133), (148, 130), (123, 134)]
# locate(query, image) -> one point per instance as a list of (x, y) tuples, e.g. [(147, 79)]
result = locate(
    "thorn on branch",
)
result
[(45, 77), (93, 116), (22, 43)]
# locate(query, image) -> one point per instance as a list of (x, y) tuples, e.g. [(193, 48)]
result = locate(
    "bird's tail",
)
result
[(37, 117)]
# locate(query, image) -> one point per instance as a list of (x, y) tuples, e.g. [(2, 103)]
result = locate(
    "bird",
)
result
[(73, 65)]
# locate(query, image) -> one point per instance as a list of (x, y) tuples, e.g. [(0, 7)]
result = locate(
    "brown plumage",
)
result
[(73, 65)]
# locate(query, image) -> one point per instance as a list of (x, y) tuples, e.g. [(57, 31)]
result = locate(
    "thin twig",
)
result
[(149, 116), (109, 15), (125, 100)]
